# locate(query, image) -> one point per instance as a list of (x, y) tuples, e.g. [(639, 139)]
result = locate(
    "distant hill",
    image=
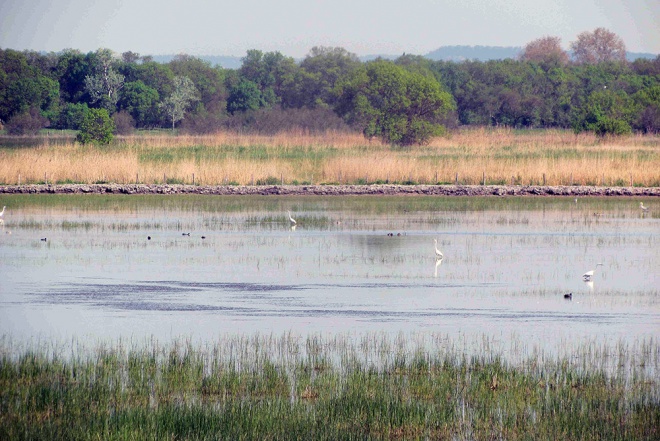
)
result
[(365, 58), (226, 62), (481, 53), (445, 53), (632, 56), (485, 53)]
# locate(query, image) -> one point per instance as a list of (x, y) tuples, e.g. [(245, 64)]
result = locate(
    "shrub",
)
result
[(96, 127), (124, 123), (611, 126), (270, 180), (201, 124), (27, 123), (275, 120)]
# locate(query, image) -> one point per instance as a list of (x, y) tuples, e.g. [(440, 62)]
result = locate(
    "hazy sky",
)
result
[(365, 27)]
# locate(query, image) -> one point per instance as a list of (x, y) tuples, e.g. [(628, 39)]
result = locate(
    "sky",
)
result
[(293, 27)]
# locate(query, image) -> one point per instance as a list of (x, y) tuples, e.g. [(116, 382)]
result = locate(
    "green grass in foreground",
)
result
[(324, 388)]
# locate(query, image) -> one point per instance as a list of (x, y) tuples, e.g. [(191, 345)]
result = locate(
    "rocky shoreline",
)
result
[(332, 190)]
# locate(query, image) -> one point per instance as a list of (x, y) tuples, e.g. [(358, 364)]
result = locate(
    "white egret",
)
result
[(2, 213), (589, 274), (641, 205), (438, 253), (292, 221)]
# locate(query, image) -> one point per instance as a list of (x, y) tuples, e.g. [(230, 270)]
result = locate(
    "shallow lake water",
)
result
[(135, 267)]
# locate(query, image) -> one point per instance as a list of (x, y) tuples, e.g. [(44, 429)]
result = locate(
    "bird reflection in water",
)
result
[(438, 262)]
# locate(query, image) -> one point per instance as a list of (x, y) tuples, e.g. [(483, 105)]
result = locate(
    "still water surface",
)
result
[(358, 264)]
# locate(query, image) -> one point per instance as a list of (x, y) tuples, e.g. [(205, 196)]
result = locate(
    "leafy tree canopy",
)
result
[(244, 96), (545, 50), (387, 101), (598, 46), (23, 87), (141, 102), (209, 81)]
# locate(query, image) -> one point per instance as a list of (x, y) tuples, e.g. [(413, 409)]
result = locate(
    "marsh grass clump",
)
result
[(334, 387)]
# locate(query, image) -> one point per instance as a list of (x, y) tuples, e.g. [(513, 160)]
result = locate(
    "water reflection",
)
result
[(438, 262)]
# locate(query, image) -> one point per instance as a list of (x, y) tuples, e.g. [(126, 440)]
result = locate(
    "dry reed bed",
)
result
[(500, 156)]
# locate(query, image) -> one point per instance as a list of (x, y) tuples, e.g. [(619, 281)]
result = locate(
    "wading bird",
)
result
[(641, 205), (589, 274), (2, 213), (292, 221), (438, 253), (569, 296)]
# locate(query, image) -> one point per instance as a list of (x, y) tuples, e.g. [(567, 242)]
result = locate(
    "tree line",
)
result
[(403, 101)]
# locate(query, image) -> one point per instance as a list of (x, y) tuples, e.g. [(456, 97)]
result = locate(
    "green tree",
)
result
[(208, 80), (155, 75), (70, 70), (141, 102), (183, 95), (323, 68), (23, 87), (648, 101), (96, 127), (244, 96), (72, 116), (387, 101), (272, 73), (605, 112)]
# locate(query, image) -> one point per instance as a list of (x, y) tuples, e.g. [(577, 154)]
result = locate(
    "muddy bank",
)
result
[(332, 190)]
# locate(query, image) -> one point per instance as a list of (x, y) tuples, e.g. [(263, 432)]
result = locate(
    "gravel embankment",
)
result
[(332, 190)]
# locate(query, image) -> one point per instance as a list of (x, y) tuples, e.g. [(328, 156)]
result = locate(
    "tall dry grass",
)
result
[(498, 156)]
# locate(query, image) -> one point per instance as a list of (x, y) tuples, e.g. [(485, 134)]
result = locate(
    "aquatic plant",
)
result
[(328, 387)]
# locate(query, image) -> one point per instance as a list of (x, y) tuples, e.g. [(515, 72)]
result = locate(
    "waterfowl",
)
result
[(438, 253), (589, 274)]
